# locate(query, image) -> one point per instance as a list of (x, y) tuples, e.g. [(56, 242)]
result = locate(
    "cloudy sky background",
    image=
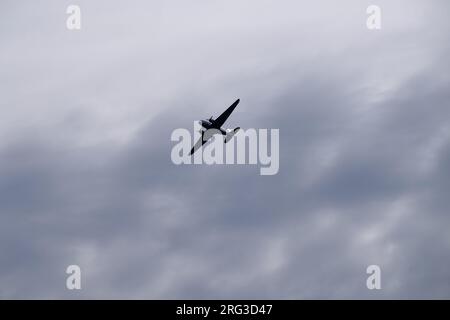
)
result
[(85, 170)]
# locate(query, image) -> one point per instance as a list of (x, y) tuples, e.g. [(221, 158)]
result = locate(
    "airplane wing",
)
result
[(198, 144), (224, 116)]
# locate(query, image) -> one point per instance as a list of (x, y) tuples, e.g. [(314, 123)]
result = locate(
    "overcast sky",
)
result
[(86, 176)]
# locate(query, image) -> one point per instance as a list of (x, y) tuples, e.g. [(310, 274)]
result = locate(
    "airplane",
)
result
[(216, 124)]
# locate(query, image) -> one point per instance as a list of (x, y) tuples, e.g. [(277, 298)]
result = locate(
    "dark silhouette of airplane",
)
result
[(216, 125)]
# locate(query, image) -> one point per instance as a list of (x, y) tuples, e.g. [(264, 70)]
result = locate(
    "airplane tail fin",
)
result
[(231, 134)]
